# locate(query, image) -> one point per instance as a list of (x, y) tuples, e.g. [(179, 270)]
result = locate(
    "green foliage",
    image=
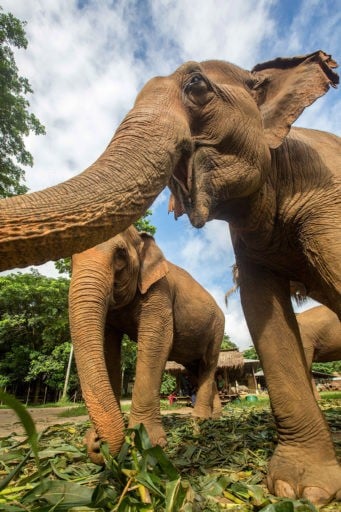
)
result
[(330, 368), (143, 224), (227, 344), (51, 367), (250, 353), (208, 466), (16, 121), (29, 427), (63, 266), (168, 384), (34, 329), (128, 355)]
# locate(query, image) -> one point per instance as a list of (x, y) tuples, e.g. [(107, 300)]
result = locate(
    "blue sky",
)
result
[(86, 61)]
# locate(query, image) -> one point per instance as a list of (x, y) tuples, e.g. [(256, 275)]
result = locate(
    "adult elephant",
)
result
[(222, 137), (126, 286), (320, 331)]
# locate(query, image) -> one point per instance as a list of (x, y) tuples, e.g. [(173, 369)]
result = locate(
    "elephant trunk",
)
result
[(107, 197), (88, 303)]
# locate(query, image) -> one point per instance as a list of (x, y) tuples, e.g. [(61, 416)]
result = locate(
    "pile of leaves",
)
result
[(209, 465)]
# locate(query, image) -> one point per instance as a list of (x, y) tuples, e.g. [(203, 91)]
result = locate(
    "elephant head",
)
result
[(107, 276), (236, 119), (208, 128)]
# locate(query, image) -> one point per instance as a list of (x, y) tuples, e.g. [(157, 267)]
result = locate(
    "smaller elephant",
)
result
[(126, 286), (320, 331)]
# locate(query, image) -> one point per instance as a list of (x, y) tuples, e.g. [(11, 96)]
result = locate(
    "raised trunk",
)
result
[(88, 300), (106, 198)]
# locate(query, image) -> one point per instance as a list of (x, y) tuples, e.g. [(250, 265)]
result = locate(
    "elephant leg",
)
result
[(155, 338), (207, 403), (304, 463)]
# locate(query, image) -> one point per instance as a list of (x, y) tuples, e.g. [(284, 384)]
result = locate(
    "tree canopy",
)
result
[(16, 121), (227, 344), (34, 331), (250, 353)]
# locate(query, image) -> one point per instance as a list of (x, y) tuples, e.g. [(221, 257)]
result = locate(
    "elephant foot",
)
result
[(155, 431), (296, 472), (202, 414), (93, 443), (206, 412)]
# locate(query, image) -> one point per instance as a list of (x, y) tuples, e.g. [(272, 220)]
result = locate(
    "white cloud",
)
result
[(205, 250), (323, 114), (235, 324), (219, 29)]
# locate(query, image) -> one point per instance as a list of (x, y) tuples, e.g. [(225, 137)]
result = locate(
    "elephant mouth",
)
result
[(180, 184), (188, 196)]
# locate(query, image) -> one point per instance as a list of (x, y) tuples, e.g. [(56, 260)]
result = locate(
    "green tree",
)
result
[(168, 384), (128, 357), (227, 344), (33, 324), (16, 121), (330, 368), (250, 353), (50, 368), (143, 224)]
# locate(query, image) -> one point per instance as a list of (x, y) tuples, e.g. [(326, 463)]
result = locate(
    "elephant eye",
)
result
[(197, 88), (196, 85), (196, 79), (120, 259)]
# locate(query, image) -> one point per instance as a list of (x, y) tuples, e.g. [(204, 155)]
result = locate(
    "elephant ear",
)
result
[(153, 263), (285, 86)]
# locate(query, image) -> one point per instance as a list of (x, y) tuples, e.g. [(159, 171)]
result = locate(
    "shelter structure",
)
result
[(230, 367)]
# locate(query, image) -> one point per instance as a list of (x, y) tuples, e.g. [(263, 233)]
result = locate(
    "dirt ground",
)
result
[(43, 418)]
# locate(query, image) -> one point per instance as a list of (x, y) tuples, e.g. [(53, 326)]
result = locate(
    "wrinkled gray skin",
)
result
[(221, 137), (320, 331), (279, 189), (126, 286)]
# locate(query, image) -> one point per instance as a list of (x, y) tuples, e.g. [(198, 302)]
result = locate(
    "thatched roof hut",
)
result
[(230, 359), (173, 367)]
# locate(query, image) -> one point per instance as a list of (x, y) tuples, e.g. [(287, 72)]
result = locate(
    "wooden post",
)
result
[(28, 393), (254, 379), (67, 376)]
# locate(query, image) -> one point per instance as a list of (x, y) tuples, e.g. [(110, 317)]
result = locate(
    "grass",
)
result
[(330, 395)]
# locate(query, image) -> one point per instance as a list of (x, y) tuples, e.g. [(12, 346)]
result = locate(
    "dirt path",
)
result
[(43, 418)]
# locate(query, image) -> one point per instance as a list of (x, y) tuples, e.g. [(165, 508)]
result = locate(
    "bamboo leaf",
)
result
[(177, 493), (29, 426), (25, 418), (62, 494), (160, 457), (148, 481)]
